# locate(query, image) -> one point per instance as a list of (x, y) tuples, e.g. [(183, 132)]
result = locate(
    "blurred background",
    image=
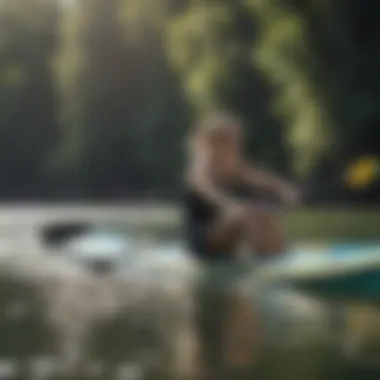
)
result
[(97, 96)]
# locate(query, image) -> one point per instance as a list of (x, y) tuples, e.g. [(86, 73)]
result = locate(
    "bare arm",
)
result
[(262, 179)]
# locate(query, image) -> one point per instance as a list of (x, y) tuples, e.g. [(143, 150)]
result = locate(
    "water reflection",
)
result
[(142, 322)]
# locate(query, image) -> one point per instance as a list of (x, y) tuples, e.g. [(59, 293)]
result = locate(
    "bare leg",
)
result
[(242, 334)]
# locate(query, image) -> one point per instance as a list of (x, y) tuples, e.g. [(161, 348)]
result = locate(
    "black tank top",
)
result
[(199, 215), (198, 209), (201, 210)]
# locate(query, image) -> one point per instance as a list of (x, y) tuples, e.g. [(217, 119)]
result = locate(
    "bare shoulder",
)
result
[(192, 174)]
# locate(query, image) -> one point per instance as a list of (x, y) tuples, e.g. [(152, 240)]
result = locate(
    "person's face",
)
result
[(229, 140), (227, 146)]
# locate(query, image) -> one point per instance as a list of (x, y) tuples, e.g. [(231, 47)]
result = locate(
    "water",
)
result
[(136, 327)]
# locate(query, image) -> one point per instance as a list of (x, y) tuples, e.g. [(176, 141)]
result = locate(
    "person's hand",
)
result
[(236, 210), (291, 195)]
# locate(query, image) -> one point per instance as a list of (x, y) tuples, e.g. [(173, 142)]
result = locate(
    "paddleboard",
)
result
[(349, 271)]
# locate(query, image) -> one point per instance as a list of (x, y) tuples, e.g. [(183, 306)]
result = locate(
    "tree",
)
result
[(123, 112), (28, 129), (210, 45), (289, 54)]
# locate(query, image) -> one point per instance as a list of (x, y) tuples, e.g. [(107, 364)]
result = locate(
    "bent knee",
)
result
[(266, 219)]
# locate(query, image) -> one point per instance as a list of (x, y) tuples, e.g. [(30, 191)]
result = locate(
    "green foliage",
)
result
[(210, 44), (286, 53), (118, 100), (96, 96), (203, 50), (27, 94)]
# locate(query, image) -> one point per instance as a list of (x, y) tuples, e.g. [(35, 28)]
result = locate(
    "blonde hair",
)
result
[(215, 125)]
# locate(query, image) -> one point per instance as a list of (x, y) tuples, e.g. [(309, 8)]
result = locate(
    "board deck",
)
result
[(340, 270)]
